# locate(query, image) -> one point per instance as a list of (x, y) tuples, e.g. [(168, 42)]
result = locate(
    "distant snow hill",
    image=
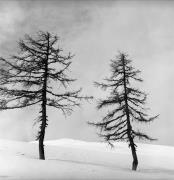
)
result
[(68, 159)]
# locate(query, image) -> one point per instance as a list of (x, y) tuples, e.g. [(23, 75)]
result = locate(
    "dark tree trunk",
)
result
[(129, 127), (42, 131), (134, 155), (44, 104), (41, 148)]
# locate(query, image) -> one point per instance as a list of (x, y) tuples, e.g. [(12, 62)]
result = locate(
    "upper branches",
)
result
[(36, 70)]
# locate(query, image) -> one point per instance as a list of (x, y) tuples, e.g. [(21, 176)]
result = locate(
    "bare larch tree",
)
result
[(38, 75), (127, 106)]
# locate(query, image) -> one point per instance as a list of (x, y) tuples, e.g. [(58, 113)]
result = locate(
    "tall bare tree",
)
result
[(127, 105), (38, 75)]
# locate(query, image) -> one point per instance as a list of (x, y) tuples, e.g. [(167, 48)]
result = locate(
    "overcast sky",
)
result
[(95, 31)]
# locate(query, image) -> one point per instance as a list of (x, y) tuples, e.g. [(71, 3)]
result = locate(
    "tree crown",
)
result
[(127, 102)]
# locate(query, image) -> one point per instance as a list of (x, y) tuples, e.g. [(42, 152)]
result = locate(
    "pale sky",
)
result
[(95, 31)]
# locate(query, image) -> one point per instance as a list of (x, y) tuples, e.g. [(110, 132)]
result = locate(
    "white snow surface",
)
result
[(68, 159)]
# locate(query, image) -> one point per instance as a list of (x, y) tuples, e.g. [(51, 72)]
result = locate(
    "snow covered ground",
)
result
[(77, 160)]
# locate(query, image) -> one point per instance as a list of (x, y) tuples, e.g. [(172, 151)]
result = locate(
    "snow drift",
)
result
[(68, 159)]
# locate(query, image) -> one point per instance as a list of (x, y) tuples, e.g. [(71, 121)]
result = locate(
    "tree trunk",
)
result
[(42, 130), (43, 106), (129, 127), (41, 149), (134, 155)]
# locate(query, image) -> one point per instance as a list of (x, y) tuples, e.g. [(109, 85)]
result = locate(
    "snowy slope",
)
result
[(72, 159)]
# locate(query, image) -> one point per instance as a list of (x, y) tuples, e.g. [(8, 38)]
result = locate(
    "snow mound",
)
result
[(68, 159)]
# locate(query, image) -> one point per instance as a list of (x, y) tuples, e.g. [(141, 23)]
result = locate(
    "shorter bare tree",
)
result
[(127, 106)]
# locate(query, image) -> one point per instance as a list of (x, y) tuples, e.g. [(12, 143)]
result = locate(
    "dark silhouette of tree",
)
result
[(127, 103), (38, 75)]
